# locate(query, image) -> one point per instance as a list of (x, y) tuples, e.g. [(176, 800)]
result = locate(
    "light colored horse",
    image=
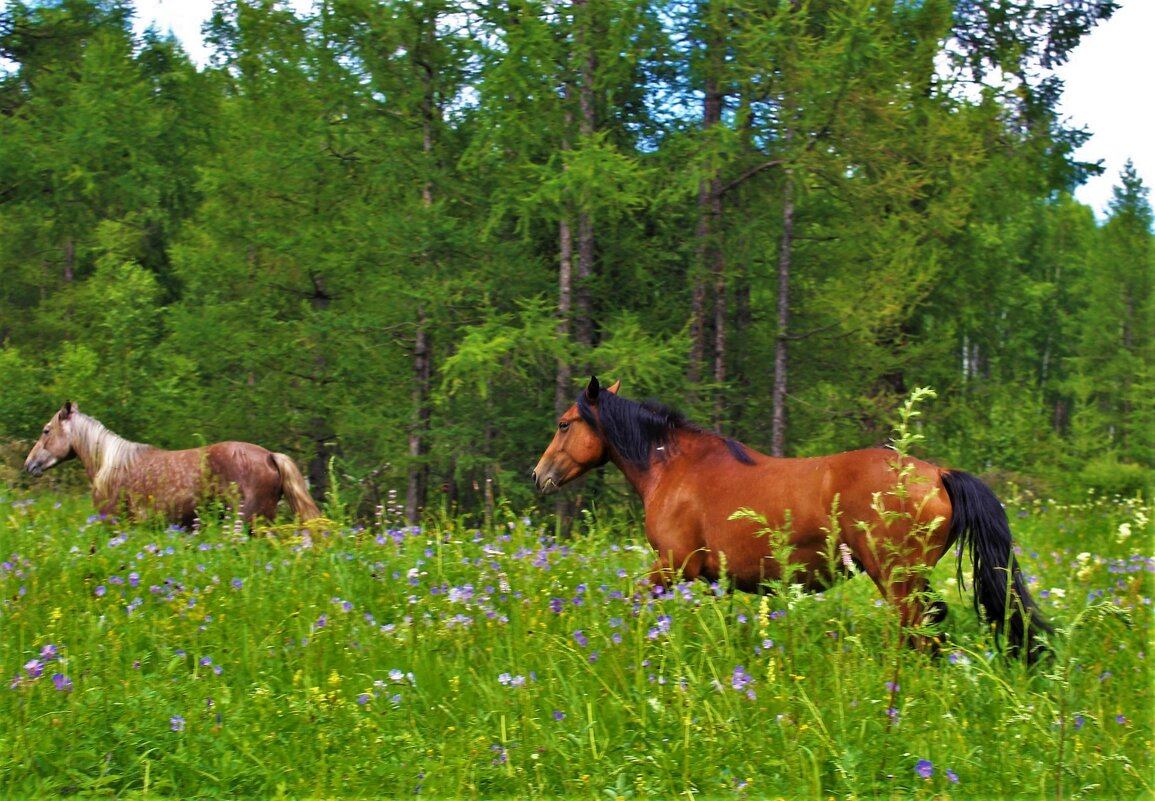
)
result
[(144, 481)]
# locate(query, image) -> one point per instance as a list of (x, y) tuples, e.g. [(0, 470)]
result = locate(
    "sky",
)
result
[(1106, 85)]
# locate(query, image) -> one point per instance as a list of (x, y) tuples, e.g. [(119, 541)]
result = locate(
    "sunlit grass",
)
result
[(458, 662)]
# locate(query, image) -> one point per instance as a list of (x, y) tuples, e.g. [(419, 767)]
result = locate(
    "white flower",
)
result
[(1124, 532)]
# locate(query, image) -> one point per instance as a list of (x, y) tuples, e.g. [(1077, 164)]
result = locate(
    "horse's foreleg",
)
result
[(662, 575), (669, 568)]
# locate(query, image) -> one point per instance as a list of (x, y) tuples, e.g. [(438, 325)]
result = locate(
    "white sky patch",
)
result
[(1107, 89)]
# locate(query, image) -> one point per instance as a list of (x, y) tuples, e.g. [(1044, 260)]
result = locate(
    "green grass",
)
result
[(455, 662)]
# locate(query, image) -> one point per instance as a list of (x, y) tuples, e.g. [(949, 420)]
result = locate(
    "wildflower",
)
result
[(581, 639), (34, 668), (364, 698), (176, 722), (958, 658), (740, 679), (62, 682), (48, 652), (558, 715), (847, 557), (924, 768), (951, 776), (502, 755), (238, 584), (891, 687), (1121, 720), (100, 590), (1124, 532)]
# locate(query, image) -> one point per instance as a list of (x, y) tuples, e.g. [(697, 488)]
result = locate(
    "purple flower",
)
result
[(48, 652), (924, 768), (556, 605), (891, 687), (558, 715), (34, 668), (741, 681), (581, 639), (951, 776), (238, 584), (363, 698), (176, 722), (100, 590), (1121, 720), (62, 682)]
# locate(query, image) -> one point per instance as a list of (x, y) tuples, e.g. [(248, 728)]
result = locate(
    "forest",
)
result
[(394, 238)]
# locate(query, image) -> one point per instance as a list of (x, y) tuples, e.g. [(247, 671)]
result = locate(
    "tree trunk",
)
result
[(418, 447), (418, 484), (778, 412), (562, 384), (709, 255), (587, 124)]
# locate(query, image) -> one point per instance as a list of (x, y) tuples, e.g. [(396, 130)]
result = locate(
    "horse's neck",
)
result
[(102, 452), (680, 446), (677, 459)]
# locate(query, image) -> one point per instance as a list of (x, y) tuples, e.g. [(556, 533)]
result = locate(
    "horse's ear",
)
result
[(614, 387), (68, 409), (592, 390)]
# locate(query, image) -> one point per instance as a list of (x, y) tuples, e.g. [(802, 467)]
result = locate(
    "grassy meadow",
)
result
[(462, 662)]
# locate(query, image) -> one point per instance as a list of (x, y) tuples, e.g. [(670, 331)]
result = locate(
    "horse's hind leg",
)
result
[(909, 592), (920, 608)]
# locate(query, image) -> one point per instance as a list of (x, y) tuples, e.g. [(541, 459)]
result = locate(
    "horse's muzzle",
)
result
[(38, 461), (545, 484)]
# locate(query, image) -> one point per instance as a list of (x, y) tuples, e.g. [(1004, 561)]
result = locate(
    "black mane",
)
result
[(636, 429)]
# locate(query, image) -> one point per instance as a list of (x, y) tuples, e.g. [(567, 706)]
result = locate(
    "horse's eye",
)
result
[(563, 425)]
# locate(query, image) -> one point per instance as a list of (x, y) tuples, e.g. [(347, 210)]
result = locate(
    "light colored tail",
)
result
[(293, 485)]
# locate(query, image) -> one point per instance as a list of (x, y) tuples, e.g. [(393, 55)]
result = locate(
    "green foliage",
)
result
[(22, 395), (1107, 477), (499, 662), (255, 249)]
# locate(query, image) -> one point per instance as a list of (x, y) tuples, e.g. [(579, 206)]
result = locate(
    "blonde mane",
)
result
[(105, 454)]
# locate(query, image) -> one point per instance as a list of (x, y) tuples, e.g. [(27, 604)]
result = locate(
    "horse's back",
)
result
[(806, 500)]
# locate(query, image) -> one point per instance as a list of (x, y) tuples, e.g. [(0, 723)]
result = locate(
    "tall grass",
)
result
[(463, 662)]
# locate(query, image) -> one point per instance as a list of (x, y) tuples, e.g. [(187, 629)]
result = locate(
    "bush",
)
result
[(1107, 477)]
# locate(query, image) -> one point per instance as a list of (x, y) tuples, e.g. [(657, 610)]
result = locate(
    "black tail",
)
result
[(979, 524)]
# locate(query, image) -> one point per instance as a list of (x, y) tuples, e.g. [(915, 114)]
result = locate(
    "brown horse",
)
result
[(891, 517), (143, 481)]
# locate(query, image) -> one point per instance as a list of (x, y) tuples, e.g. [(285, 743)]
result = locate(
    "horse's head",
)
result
[(577, 445), (55, 443)]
